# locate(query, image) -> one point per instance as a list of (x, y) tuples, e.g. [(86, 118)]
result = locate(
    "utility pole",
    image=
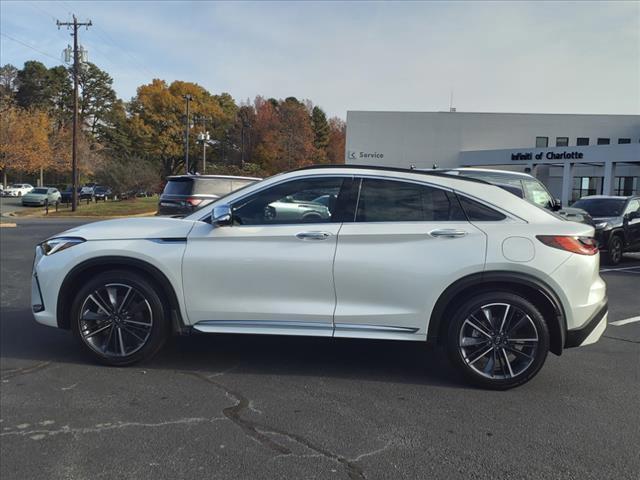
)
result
[(204, 138), (76, 69), (187, 98)]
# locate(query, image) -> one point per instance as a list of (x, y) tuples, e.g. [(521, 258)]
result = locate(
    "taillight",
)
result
[(194, 202), (580, 245)]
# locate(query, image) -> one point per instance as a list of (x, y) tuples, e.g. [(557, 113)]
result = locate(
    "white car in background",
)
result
[(17, 190), (41, 196), (401, 255)]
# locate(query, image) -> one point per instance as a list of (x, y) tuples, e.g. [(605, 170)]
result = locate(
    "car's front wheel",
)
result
[(498, 340), (613, 255), (119, 318)]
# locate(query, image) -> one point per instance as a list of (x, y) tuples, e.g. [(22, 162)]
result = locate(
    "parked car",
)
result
[(40, 196), (102, 193), (617, 221), (404, 255), (66, 194), (17, 190), (87, 191), (185, 193)]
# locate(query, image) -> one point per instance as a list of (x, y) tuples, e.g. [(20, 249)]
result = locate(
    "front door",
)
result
[(408, 243), (632, 220), (272, 270)]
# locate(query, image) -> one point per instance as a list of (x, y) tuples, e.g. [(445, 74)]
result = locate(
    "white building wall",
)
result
[(424, 138)]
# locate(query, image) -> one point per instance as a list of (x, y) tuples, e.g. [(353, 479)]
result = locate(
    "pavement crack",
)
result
[(259, 431), (622, 339), (15, 372)]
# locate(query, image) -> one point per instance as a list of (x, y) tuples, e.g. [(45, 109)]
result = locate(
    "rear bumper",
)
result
[(591, 331)]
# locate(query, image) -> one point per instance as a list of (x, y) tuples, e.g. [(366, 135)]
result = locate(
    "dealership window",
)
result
[(626, 186), (604, 141), (624, 140), (562, 141), (583, 186), (581, 141), (542, 142)]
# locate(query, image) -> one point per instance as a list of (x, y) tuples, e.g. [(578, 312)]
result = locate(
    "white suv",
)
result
[(402, 255)]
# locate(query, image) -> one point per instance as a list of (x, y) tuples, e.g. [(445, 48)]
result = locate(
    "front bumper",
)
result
[(591, 331)]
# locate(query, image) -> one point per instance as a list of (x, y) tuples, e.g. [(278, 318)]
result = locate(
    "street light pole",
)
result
[(187, 98)]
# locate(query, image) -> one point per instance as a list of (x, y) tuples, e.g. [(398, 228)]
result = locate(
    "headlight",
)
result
[(53, 245), (602, 226)]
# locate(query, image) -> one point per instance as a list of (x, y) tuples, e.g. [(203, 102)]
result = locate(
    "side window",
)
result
[(311, 200), (477, 212), (634, 206), (396, 201), (536, 193)]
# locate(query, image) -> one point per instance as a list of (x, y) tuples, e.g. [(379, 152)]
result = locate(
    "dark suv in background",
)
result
[(617, 221), (184, 193)]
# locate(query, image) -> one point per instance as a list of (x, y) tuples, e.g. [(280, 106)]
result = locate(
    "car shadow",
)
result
[(363, 360)]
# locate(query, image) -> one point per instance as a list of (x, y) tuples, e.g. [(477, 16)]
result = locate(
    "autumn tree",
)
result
[(157, 121), (337, 140), (24, 141)]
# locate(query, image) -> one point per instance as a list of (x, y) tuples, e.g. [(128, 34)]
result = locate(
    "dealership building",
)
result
[(574, 155)]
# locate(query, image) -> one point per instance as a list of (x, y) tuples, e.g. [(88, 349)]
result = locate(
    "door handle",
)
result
[(448, 232), (313, 235)]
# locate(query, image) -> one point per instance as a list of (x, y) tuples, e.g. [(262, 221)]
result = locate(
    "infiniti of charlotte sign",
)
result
[(547, 155)]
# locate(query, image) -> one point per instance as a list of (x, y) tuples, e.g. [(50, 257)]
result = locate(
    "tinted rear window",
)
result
[(395, 201), (477, 212), (212, 186), (178, 186), (602, 207)]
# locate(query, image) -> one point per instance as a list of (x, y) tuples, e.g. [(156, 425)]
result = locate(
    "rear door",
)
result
[(408, 243)]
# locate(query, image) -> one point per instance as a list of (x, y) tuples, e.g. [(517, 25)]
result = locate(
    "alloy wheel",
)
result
[(116, 320), (616, 250), (498, 341)]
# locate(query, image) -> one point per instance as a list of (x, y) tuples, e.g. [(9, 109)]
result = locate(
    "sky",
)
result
[(538, 57)]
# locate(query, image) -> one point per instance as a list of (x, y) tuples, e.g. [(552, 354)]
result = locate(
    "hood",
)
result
[(132, 228), (614, 221)]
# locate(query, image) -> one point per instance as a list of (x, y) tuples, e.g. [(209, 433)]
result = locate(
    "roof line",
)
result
[(433, 173)]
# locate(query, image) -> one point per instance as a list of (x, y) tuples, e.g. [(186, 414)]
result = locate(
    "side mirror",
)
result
[(557, 204), (633, 215), (221, 216)]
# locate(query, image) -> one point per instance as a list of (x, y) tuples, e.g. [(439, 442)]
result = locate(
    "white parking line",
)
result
[(619, 323), (620, 269)]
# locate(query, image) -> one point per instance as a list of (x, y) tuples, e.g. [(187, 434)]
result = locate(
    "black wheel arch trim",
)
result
[(483, 279), (113, 262)]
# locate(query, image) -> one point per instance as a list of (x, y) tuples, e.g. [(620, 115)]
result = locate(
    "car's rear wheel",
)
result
[(498, 340), (613, 255), (119, 318)]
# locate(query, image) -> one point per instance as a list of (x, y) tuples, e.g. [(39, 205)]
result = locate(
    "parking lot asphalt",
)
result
[(230, 407), (11, 204)]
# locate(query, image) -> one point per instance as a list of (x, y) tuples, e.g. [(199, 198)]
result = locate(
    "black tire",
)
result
[(613, 255), (136, 327), (520, 319)]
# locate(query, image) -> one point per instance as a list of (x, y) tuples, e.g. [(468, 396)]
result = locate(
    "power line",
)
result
[(29, 46)]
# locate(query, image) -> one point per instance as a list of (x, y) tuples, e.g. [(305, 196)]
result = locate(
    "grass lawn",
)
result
[(122, 208)]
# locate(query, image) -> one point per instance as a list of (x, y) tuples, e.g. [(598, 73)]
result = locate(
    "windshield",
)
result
[(601, 207), (39, 190)]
